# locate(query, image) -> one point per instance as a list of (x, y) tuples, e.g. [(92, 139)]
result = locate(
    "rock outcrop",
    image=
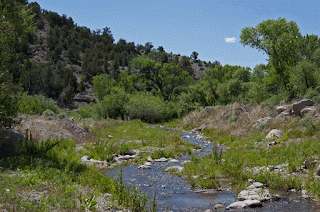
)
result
[(298, 106)]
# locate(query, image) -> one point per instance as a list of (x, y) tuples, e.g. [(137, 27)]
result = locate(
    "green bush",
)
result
[(48, 112), (36, 104), (147, 108)]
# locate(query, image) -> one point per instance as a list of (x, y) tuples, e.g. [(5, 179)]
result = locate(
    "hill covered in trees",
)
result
[(50, 55)]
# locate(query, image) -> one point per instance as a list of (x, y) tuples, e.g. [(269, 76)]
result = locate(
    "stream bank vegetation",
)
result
[(243, 152)]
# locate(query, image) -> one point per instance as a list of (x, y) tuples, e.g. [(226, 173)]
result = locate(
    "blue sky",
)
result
[(212, 28)]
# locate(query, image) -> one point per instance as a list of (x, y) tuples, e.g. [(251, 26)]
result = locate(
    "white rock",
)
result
[(304, 194), (174, 168), (144, 167), (85, 158), (148, 164), (174, 161), (244, 204), (255, 185), (274, 134), (125, 157), (255, 194), (149, 159), (161, 160)]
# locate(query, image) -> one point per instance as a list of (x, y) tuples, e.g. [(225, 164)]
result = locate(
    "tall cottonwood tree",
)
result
[(280, 40), (15, 21)]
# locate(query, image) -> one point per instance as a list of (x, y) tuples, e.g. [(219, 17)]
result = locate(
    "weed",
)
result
[(36, 149), (88, 203), (263, 125)]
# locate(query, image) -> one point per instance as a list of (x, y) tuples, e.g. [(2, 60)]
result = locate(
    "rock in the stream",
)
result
[(144, 167), (274, 134), (161, 160), (125, 157), (174, 168), (255, 192), (304, 194), (174, 161), (245, 204), (219, 207)]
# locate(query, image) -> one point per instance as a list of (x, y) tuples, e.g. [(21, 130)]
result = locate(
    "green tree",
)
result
[(194, 55), (15, 21), (160, 77), (304, 75), (279, 39)]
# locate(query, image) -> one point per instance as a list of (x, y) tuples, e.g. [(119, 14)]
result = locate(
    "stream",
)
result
[(176, 194)]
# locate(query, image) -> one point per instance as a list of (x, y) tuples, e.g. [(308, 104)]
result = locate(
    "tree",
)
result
[(160, 77), (279, 39), (148, 47), (15, 21), (194, 55)]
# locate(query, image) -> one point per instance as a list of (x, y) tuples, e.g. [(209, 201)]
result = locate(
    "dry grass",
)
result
[(43, 127), (237, 120)]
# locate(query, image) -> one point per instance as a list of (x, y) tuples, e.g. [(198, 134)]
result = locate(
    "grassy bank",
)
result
[(250, 155)]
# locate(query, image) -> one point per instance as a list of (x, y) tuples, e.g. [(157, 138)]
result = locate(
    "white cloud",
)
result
[(230, 40)]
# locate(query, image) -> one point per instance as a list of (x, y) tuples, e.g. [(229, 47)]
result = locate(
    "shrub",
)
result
[(147, 108), (48, 112), (61, 115), (36, 104)]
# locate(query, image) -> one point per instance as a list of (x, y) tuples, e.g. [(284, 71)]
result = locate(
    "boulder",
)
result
[(245, 204), (284, 114), (308, 110), (219, 207), (281, 109), (298, 106), (260, 194), (274, 134)]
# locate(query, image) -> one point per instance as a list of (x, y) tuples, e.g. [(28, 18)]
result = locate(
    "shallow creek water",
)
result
[(177, 194)]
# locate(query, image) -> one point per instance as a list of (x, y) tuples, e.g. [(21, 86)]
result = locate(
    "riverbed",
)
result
[(176, 194)]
